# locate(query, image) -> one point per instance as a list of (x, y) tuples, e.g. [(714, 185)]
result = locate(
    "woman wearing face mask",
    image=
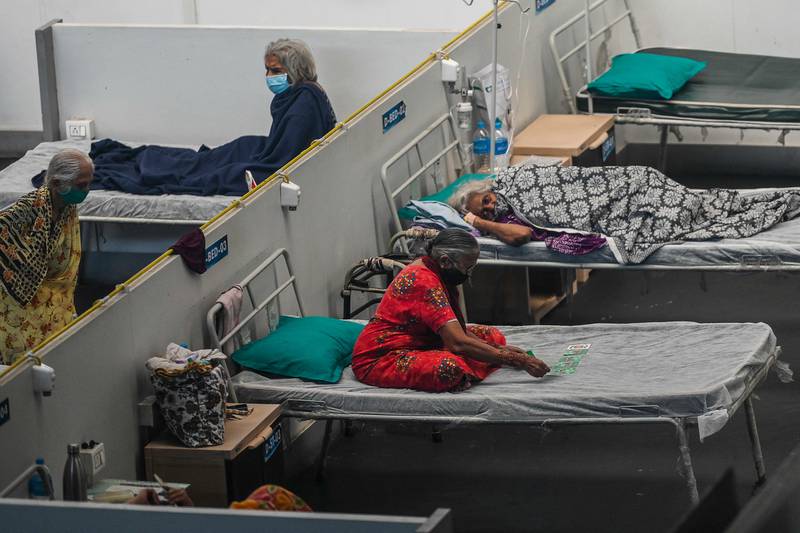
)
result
[(300, 108), (40, 250), (418, 338)]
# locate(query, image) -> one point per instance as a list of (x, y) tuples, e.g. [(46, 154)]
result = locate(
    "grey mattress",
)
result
[(775, 248), (15, 180), (679, 369)]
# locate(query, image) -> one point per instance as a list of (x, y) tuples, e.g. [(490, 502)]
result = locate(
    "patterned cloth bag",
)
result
[(191, 387)]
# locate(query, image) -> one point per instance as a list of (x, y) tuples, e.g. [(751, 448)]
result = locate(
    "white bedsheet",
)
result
[(675, 369), (15, 181)]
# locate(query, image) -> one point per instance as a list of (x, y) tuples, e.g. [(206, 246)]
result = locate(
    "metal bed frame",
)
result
[(635, 115), (317, 410)]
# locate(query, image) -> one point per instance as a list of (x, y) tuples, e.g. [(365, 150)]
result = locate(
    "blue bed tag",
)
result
[(392, 117), (541, 5), (5, 412), (216, 252), (272, 444), (608, 147)]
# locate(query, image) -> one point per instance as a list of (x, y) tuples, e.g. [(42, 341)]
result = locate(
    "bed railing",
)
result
[(258, 306), (585, 44), (445, 124)]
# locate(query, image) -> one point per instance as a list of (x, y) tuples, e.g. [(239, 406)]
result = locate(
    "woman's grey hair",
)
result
[(455, 243), (296, 58), (463, 194), (65, 167)]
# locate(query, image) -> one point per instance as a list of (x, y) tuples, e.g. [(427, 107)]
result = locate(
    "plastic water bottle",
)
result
[(74, 479), (480, 148), (37, 489), (500, 144)]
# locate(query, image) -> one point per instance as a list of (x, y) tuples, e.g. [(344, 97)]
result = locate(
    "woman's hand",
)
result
[(180, 498), (535, 367)]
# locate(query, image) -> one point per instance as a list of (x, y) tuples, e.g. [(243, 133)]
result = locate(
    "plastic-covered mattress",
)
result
[(777, 247), (742, 87), (15, 180), (675, 369)]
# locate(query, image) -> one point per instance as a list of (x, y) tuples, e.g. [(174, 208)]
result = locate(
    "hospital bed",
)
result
[(106, 205), (128, 229), (680, 374), (775, 249), (739, 91)]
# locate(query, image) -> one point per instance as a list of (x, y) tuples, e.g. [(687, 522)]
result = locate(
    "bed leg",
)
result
[(755, 442), (686, 460), (662, 149), (323, 454), (436, 434)]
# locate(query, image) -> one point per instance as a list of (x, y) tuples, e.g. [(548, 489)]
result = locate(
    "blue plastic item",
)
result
[(500, 138), (36, 485)]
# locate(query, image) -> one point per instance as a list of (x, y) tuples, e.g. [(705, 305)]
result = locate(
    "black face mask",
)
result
[(453, 276)]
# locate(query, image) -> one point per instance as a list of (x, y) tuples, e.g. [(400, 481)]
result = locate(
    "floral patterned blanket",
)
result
[(638, 208)]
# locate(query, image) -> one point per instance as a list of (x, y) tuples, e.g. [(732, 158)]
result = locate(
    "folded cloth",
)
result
[(434, 214), (192, 249), (272, 498), (231, 301), (177, 359)]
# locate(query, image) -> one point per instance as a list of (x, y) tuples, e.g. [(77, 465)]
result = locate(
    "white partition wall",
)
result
[(205, 85), (343, 217)]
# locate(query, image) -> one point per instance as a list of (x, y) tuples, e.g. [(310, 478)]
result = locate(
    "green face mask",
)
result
[(73, 196)]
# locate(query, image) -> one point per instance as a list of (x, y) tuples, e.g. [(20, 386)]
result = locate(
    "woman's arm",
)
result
[(458, 342), (513, 234)]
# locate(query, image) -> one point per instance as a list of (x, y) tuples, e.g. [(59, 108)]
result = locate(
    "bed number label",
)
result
[(392, 117), (272, 444), (5, 412), (216, 252), (541, 5), (608, 147)]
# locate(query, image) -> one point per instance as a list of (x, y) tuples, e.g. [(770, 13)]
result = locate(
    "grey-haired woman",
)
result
[(40, 251), (418, 338)]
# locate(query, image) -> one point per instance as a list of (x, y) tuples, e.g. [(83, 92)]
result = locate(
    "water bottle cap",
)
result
[(481, 124), (498, 123), (39, 461), (73, 448)]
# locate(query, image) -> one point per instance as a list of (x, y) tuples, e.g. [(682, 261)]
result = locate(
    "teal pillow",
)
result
[(443, 195), (643, 75), (315, 347)]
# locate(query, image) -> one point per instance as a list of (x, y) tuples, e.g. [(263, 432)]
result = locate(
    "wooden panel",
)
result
[(561, 135), (238, 434)]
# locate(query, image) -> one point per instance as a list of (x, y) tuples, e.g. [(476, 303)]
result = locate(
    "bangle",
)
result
[(470, 218)]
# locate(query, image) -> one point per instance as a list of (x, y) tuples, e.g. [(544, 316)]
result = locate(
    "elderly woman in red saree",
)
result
[(418, 338), (40, 250)]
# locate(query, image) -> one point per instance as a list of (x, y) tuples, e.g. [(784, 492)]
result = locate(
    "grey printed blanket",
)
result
[(638, 208)]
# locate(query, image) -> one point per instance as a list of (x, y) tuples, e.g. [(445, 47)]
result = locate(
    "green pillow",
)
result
[(443, 195), (315, 347), (644, 75)]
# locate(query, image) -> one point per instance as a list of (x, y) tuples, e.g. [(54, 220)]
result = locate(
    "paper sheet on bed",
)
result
[(680, 369)]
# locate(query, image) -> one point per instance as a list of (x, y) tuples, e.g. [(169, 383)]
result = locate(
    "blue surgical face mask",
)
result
[(278, 83)]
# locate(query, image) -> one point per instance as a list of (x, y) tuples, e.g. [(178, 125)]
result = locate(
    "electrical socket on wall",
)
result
[(80, 129)]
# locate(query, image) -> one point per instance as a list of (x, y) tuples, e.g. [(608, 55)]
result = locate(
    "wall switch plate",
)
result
[(80, 129)]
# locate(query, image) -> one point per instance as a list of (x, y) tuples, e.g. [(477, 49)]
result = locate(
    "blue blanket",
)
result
[(299, 115)]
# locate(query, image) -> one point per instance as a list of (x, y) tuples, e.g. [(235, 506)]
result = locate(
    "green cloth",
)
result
[(646, 76), (444, 195), (315, 348)]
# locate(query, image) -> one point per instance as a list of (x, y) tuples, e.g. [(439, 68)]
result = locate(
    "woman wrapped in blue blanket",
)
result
[(301, 113)]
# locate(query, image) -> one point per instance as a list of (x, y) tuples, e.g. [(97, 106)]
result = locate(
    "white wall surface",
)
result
[(205, 85), (20, 108)]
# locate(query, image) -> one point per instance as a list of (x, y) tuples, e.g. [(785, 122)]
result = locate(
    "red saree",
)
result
[(400, 348)]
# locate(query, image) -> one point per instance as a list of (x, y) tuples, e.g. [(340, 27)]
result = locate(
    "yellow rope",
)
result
[(264, 184)]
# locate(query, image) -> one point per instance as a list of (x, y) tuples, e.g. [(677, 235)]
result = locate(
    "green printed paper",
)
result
[(569, 362)]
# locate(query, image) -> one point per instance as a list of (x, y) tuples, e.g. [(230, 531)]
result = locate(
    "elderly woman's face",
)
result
[(482, 204), (273, 66), (84, 179)]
